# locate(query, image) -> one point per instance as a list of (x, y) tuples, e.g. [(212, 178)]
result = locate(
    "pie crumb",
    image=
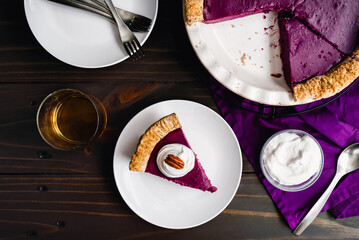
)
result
[(243, 59)]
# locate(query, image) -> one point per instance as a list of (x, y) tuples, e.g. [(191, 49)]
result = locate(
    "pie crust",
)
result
[(194, 11), (150, 138), (330, 83), (323, 86)]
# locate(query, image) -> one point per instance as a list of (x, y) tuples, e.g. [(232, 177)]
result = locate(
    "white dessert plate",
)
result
[(243, 54), (167, 204), (81, 38)]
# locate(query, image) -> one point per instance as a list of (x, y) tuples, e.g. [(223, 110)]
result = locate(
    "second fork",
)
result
[(129, 40)]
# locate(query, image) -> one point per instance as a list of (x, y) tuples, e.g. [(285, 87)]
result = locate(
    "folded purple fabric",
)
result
[(335, 126)]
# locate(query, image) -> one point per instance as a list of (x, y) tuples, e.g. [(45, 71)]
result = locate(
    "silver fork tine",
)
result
[(127, 49), (139, 50), (126, 15), (138, 26), (138, 45), (143, 20), (134, 52), (140, 23), (127, 37), (138, 54)]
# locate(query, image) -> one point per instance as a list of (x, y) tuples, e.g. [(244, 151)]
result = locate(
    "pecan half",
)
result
[(174, 161)]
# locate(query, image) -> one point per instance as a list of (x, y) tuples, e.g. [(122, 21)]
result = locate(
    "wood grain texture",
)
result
[(55, 195), (91, 208)]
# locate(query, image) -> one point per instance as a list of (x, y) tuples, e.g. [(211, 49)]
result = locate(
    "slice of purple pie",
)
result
[(164, 151), (304, 54), (319, 39)]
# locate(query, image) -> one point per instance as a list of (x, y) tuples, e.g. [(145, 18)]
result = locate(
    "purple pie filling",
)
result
[(315, 35), (304, 54), (196, 178), (220, 10), (337, 21)]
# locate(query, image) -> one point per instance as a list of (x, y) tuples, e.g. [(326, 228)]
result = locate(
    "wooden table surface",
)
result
[(51, 194)]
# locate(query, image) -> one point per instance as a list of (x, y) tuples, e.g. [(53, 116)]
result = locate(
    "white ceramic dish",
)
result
[(81, 38), (243, 54), (291, 188), (164, 203)]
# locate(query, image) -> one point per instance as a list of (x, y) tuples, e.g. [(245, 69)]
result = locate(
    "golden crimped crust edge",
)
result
[(330, 83), (150, 138), (193, 11)]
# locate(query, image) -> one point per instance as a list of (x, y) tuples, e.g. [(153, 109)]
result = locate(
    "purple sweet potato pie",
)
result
[(166, 132), (319, 39)]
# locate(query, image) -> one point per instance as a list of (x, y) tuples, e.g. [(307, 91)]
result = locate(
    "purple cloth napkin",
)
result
[(335, 126)]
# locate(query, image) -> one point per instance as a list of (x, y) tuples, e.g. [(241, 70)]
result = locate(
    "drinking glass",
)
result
[(68, 119)]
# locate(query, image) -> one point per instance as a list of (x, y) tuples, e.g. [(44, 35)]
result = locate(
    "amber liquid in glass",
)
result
[(68, 119), (75, 119)]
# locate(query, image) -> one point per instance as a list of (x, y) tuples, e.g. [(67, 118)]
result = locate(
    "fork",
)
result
[(129, 40), (134, 21)]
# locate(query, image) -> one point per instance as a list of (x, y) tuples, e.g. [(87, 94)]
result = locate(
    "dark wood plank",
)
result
[(72, 195), (89, 207)]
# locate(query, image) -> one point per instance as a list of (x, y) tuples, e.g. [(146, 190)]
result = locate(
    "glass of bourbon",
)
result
[(68, 119)]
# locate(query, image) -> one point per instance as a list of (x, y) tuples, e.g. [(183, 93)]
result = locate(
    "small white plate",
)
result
[(243, 54), (164, 203), (82, 38)]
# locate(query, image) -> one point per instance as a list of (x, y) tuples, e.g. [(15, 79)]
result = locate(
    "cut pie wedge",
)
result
[(304, 54), (166, 131)]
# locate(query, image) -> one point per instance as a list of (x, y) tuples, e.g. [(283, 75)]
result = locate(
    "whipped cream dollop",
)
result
[(178, 150), (292, 159)]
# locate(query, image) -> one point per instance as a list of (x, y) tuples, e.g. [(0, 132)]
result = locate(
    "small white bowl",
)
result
[(291, 188)]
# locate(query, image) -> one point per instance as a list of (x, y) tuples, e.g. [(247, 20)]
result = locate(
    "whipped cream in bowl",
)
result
[(180, 151), (292, 160)]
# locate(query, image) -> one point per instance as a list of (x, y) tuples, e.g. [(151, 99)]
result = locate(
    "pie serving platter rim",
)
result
[(164, 203)]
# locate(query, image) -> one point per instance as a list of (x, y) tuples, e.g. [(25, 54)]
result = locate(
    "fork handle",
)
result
[(91, 8), (83, 6), (120, 24)]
